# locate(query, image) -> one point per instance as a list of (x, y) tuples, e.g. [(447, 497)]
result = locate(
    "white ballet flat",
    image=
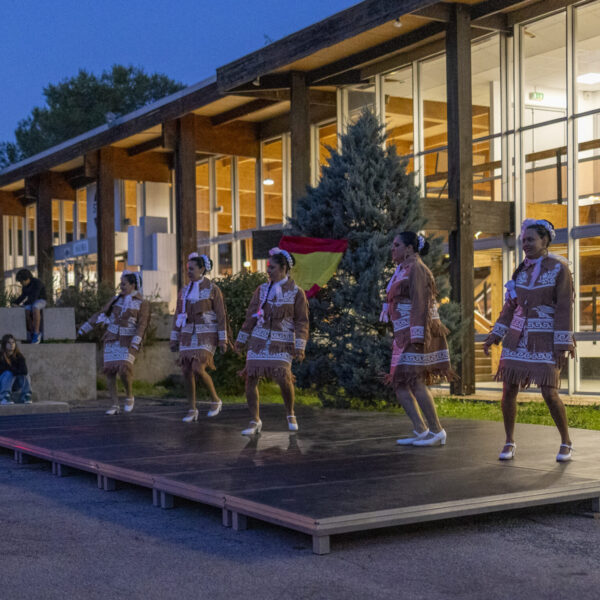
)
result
[(129, 403), (432, 439), (410, 440), (192, 415), (214, 412), (565, 457), (292, 426), (255, 427), (510, 453), (113, 410)]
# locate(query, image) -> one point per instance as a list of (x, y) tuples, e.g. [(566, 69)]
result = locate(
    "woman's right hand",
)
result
[(489, 340)]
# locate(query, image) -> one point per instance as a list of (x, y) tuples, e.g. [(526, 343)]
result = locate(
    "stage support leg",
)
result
[(21, 458), (155, 497), (321, 544), (60, 470), (167, 500), (110, 484), (239, 522), (595, 514), (227, 518)]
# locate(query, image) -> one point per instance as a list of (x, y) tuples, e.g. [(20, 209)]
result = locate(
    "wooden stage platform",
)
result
[(342, 472)]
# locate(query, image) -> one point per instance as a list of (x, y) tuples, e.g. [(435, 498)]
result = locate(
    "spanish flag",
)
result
[(316, 260)]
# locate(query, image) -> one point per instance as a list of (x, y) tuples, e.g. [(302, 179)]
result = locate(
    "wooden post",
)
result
[(2, 261), (497, 303), (105, 217), (185, 192), (300, 136), (41, 188), (460, 185)]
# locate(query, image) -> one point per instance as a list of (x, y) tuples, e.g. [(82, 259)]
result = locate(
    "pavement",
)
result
[(63, 538)]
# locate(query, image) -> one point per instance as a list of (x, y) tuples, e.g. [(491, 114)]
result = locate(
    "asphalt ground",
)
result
[(64, 538)]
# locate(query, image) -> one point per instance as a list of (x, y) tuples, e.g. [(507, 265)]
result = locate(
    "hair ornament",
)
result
[(286, 254), (421, 241), (527, 223), (207, 262), (193, 255)]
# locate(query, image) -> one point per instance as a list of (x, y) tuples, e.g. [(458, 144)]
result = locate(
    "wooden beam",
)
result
[(41, 189), (150, 166), (375, 52), (11, 205), (281, 124), (460, 186), (436, 12), (323, 97), (532, 10), (239, 138), (350, 77), (241, 111), (105, 216), (337, 28), (493, 218), (150, 144), (273, 81), (185, 192), (300, 137), (493, 7)]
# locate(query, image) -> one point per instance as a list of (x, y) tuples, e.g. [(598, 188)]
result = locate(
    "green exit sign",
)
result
[(536, 96)]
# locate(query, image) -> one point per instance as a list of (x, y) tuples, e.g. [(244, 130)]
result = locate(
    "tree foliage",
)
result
[(366, 197), (80, 103)]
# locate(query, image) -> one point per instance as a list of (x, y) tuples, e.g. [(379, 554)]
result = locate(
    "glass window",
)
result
[(588, 169), (248, 263), (56, 222), (398, 94), (247, 192), (225, 259), (272, 174), (81, 196), (485, 87), (360, 97), (587, 57), (327, 139), (224, 201), (433, 94), (546, 173), (202, 202), (69, 220), (30, 221), (130, 203), (544, 69)]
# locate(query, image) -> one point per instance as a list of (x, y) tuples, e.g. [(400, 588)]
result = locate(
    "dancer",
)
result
[(13, 372), (125, 317), (199, 326), (419, 352), (276, 330), (536, 330)]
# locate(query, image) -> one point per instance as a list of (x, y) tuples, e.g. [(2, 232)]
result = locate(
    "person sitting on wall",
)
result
[(34, 298), (13, 372)]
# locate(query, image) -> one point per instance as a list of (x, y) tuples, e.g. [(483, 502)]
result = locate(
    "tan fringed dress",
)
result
[(536, 321), (412, 310), (125, 328), (199, 324), (275, 327)]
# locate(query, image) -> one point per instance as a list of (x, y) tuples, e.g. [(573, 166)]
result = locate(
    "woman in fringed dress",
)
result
[(535, 327), (199, 326), (419, 352), (276, 331), (126, 318)]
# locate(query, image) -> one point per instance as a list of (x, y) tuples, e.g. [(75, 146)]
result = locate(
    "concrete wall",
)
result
[(65, 372)]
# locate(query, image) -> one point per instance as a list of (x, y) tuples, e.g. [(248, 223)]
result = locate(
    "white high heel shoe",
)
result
[(292, 426), (129, 402), (432, 439), (409, 441), (510, 453), (113, 410), (192, 415), (215, 411), (565, 457), (255, 427)]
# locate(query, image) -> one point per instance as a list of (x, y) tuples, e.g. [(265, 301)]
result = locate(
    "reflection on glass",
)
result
[(30, 220), (202, 202), (225, 259), (327, 140), (56, 222), (247, 192), (587, 57), (544, 69), (485, 87), (588, 169), (398, 93), (272, 162), (69, 221), (248, 263), (546, 173), (131, 207), (360, 97), (224, 199), (81, 199)]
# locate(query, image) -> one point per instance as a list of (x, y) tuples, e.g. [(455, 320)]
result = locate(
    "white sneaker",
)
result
[(5, 402), (409, 441)]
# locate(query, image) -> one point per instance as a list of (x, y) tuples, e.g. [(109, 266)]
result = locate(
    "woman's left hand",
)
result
[(560, 358)]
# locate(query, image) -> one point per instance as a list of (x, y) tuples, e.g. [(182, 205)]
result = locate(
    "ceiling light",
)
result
[(256, 82), (589, 78), (397, 23), (589, 201), (247, 264), (268, 181), (478, 234)]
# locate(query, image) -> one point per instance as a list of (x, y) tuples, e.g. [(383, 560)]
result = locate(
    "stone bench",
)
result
[(57, 323)]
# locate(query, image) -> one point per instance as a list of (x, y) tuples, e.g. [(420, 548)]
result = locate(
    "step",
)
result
[(35, 408)]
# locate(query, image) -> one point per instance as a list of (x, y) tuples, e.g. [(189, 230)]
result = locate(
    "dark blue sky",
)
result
[(45, 42)]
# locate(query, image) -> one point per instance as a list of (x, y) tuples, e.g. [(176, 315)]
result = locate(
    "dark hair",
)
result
[(281, 260), (410, 238), (542, 231), (24, 275), (132, 278), (201, 262), (5, 339)]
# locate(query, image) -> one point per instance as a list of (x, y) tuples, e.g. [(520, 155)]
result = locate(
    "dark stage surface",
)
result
[(342, 472)]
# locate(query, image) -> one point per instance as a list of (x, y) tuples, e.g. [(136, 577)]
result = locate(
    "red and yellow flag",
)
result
[(316, 260)]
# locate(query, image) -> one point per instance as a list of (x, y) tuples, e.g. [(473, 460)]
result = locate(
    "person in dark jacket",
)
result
[(33, 299), (13, 372)]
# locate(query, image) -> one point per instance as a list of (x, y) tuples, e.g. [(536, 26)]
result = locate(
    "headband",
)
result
[(286, 254), (205, 259), (421, 241), (527, 223), (138, 278)]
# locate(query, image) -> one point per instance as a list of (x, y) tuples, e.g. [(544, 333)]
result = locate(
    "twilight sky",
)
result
[(44, 42)]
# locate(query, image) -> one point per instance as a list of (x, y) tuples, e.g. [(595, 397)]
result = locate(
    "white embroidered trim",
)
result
[(174, 336), (417, 332), (500, 330), (401, 323), (563, 337), (421, 360), (126, 331), (540, 325), (222, 336), (266, 356), (524, 355), (206, 328), (300, 344), (136, 341), (86, 327), (517, 323), (242, 337)]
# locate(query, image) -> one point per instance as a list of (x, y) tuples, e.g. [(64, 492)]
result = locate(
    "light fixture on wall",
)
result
[(247, 264), (528, 33), (268, 180), (397, 23), (589, 78)]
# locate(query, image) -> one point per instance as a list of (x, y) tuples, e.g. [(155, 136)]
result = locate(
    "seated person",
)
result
[(34, 297), (13, 372)]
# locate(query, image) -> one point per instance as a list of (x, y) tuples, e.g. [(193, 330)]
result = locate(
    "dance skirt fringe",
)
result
[(118, 360), (277, 374), (194, 361)]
